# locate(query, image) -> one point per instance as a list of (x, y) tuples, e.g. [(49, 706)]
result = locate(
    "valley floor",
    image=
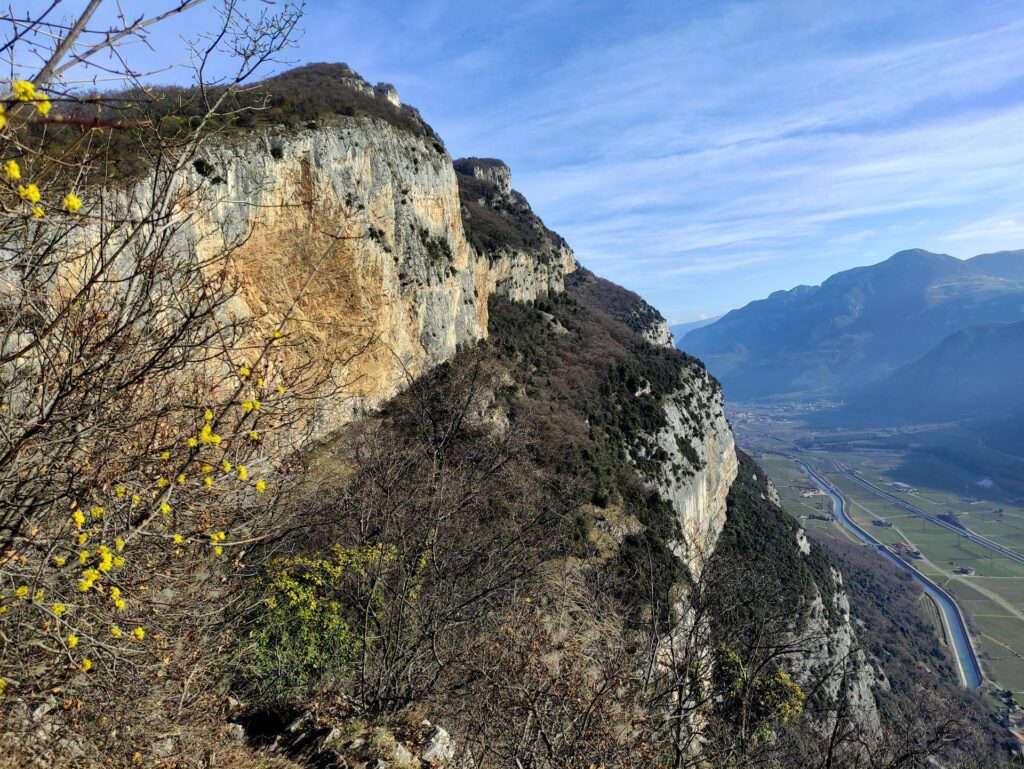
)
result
[(988, 585)]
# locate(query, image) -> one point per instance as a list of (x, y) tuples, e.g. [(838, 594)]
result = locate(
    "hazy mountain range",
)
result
[(679, 330), (967, 375), (919, 330)]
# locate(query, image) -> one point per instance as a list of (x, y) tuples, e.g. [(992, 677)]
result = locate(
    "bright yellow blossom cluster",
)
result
[(92, 524), (26, 91), (71, 203)]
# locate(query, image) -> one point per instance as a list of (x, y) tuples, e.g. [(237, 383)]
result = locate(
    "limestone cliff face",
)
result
[(833, 655), (697, 441), (362, 221), (702, 461)]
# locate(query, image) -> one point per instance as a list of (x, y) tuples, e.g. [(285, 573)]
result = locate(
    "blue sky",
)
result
[(707, 153)]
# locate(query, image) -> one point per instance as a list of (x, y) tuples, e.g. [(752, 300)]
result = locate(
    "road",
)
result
[(903, 504), (962, 531), (952, 617)]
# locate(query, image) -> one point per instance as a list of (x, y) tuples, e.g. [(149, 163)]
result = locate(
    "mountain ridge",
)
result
[(826, 341)]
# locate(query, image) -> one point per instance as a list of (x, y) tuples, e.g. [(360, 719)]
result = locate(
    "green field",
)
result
[(997, 614)]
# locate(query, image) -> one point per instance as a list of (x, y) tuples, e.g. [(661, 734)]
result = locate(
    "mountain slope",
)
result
[(976, 372), (857, 326), (1002, 264)]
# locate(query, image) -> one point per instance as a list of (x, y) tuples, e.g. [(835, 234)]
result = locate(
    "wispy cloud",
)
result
[(707, 153)]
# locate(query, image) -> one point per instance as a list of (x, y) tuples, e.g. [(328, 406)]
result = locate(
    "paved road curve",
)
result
[(962, 531), (952, 618)]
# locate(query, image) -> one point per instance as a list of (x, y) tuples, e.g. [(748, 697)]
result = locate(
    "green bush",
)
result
[(304, 634)]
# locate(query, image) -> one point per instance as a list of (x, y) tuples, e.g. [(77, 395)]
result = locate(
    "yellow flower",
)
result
[(11, 170), (136, 499), (165, 455), (43, 105), (59, 561), (254, 435), (165, 508), (97, 511), (226, 466), (243, 372), (21, 592), (259, 382), (38, 597), (118, 544), (3, 117), (79, 518), (119, 604), (276, 334), (59, 608), (215, 439), (30, 193), (218, 550), (162, 482), (71, 203), (83, 538), (243, 474), (178, 539), (120, 491), (181, 478), (261, 486), (72, 641), (192, 443), (280, 389), (83, 556), (247, 406), (139, 633), (256, 405), (23, 90), (115, 593), (116, 631), (208, 415), (207, 469), (86, 665), (208, 482), (118, 561), (37, 211)]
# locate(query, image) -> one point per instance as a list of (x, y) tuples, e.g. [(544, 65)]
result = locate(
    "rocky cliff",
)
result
[(361, 217), (398, 251)]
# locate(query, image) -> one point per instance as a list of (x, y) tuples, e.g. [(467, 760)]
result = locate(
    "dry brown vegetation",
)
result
[(182, 572)]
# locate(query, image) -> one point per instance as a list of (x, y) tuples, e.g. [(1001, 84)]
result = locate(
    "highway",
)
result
[(903, 504), (952, 618), (963, 532)]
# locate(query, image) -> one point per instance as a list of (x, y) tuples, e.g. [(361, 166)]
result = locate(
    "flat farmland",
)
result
[(992, 597)]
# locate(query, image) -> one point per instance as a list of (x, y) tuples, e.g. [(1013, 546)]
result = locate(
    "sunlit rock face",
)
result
[(362, 220)]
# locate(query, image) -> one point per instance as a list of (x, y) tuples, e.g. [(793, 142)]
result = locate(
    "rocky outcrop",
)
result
[(701, 464), (659, 334), (363, 221), (833, 656), (488, 169), (315, 739)]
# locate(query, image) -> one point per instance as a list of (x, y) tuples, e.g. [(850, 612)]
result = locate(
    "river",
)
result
[(952, 617)]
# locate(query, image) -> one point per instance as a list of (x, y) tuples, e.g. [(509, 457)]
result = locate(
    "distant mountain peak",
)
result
[(859, 325), (917, 255)]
